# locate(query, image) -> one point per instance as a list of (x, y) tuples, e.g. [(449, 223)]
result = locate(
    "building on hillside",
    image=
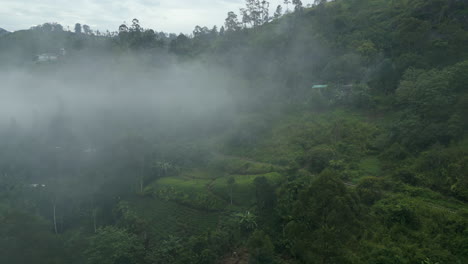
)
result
[(320, 86), (37, 185), (50, 57), (46, 58)]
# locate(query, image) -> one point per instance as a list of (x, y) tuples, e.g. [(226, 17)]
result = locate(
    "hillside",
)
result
[(330, 134), (3, 31)]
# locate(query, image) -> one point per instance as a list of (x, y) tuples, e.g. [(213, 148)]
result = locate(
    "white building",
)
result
[(42, 58)]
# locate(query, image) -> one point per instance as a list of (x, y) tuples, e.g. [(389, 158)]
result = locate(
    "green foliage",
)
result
[(325, 218), (239, 166), (370, 189), (260, 247), (247, 221), (194, 192), (129, 219), (265, 194), (397, 213), (162, 219), (200, 249), (393, 120), (27, 238), (112, 245), (244, 189)]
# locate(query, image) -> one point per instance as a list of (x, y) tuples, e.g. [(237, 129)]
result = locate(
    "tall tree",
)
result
[(123, 28), (265, 11), (87, 30), (287, 2), (231, 182), (135, 26), (297, 5), (255, 13), (278, 12), (325, 218), (112, 245), (231, 22), (78, 28)]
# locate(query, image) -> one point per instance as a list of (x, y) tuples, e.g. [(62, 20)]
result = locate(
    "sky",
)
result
[(173, 16)]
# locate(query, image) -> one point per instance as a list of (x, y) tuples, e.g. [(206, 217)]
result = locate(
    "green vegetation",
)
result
[(372, 168)]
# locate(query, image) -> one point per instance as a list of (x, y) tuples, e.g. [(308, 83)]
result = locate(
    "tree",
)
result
[(231, 22), (10, 186), (123, 28), (26, 238), (427, 101), (231, 181), (168, 251), (247, 221), (256, 13), (214, 31), (287, 2), (199, 32), (319, 2), (135, 26), (264, 193), (130, 220), (246, 19), (162, 168), (265, 12), (319, 157), (261, 248), (324, 219), (181, 45), (78, 28), (87, 30), (57, 27), (112, 245), (297, 5), (278, 12), (49, 27)]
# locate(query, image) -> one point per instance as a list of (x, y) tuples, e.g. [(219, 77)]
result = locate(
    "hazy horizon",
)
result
[(160, 15)]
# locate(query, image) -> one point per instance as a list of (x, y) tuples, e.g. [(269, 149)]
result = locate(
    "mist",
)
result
[(298, 133), (125, 91)]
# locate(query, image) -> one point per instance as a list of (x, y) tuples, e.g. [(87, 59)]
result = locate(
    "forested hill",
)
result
[(334, 133)]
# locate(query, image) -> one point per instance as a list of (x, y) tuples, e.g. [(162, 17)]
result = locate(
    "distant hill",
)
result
[(3, 31)]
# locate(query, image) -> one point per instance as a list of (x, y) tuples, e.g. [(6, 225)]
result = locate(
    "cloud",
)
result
[(161, 15)]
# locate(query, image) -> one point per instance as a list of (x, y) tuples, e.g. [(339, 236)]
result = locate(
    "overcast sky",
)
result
[(162, 15)]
